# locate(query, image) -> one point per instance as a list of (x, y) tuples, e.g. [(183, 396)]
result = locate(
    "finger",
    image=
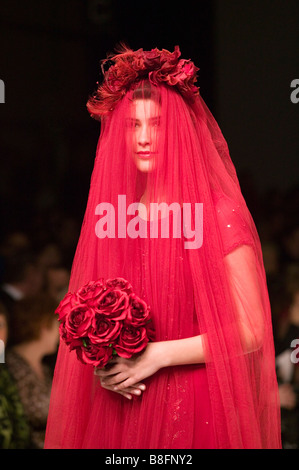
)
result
[(102, 372), (111, 371), (115, 379), (128, 382), (137, 390), (140, 386), (124, 393), (115, 360)]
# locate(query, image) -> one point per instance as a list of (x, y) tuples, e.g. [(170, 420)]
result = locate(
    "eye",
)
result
[(156, 122), (132, 123)]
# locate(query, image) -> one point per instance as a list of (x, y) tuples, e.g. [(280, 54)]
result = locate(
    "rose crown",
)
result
[(129, 67)]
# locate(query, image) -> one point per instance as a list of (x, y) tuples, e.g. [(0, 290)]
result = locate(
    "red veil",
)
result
[(205, 276)]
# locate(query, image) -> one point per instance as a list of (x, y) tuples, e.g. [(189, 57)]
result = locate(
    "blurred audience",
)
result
[(288, 376), (57, 281), (14, 242), (49, 256), (14, 427), (287, 363), (290, 244), (22, 277), (35, 335), (277, 220)]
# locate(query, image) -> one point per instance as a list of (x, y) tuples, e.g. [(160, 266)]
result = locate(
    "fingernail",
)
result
[(142, 387), (115, 388)]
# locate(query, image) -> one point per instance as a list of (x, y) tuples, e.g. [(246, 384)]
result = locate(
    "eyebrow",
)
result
[(151, 119), (155, 118)]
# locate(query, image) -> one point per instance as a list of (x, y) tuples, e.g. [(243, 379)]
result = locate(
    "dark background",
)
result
[(50, 54)]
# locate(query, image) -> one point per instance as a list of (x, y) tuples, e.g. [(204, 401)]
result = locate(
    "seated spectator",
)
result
[(14, 242), (35, 332), (22, 278), (57, 282), (49, 256), (290, 244), (287, 367), (14, 428)]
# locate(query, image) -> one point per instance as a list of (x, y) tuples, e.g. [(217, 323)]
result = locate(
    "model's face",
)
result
[(144, 126)]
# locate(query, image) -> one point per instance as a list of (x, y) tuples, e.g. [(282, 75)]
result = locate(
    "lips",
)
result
[(145, 155)]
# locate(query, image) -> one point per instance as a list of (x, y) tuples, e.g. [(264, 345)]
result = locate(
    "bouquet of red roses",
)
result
[(103, 319)]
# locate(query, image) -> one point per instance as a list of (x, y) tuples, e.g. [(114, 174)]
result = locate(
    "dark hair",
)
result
[(3, 309), (16, 265), (147, 91), (30, 315)]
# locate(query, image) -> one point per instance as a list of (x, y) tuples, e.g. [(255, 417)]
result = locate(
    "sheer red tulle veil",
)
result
[(204, 275)]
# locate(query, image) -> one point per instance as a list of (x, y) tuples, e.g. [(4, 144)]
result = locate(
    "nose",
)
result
[(143, 137)]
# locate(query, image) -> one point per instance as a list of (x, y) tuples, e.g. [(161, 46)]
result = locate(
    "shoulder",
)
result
[(233, 222), (224, 204)]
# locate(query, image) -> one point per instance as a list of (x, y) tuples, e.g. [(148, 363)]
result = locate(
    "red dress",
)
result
[(174, 411), (231, 401)]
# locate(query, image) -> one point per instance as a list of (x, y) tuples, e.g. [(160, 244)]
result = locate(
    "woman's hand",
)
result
[(287, 396), (125, 375), (127, 392)]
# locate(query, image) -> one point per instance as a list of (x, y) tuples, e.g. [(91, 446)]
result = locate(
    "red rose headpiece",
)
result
[(129, 67)]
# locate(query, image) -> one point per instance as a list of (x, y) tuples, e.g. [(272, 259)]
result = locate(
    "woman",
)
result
[(14, 428), (208, 380), (34, 336)]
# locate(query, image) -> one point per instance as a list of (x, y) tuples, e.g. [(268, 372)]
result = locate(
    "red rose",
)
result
[(103, 329), (138, 61), (178, 75), (103, 318), (78, 322), (91, 291), (117, 73), (159, 66), (119, 283), (95, 355), (184, 74), (65, 306), (157, 76), (189, 68), (152, 58), (170, 57), (64, 334), (138, 311), (113, 303), (131, 341)]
